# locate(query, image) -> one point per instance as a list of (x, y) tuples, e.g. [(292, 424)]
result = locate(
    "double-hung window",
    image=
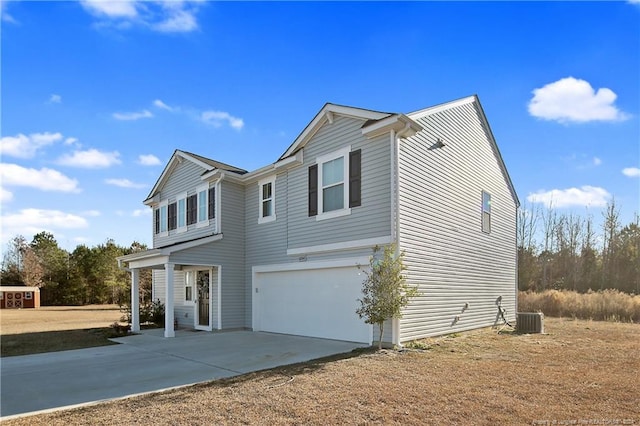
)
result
[(189, 279), (334, 184), (161, 219), (203, 203), (182, 212), (486, 212), (267, 200)]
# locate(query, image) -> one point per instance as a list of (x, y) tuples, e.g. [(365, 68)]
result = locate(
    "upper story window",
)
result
[(162, 218), (334, 184), (267, 201), (486, 212), (198, 209), (182, 212)]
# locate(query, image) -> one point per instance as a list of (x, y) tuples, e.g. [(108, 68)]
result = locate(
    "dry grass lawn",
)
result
[(581, 372), (55, 328)]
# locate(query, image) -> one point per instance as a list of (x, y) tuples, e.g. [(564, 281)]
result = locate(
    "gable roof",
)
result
[(485, 124), (326, 114), (206, 163)]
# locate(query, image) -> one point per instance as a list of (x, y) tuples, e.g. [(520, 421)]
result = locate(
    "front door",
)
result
[(203, 303)]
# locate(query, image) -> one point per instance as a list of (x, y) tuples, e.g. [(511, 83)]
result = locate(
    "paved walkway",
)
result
[(145, 363)]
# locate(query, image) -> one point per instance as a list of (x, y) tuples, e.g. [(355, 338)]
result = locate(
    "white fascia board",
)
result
[(191, 244), (442, 107), (327, 113), (211, 175), (148, 262), (320, 264), (400, 123), (347, 245), (284, 164)]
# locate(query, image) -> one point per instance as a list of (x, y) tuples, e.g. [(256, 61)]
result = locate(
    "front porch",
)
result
[(198, 285)]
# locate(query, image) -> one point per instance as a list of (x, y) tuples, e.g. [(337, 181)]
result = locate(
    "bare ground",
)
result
[(581, 372)]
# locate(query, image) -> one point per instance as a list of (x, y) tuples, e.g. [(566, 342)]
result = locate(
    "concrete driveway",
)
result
[(145, 363)]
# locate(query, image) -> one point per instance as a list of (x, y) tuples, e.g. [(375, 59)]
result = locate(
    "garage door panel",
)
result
[(314, 302)]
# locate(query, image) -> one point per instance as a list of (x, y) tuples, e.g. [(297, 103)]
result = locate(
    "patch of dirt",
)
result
[(579, 372)]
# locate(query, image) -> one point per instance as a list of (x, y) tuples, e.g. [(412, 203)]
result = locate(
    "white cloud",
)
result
[(71, 141), (31, 221), (22, 146), (148, 160), (110, 8), (90, 159), (91, 213), (218, 118), (631, 171), (162, 16), (159, 104), (43, 179), (124, 183), (571, 99), (132, 116), (597, 161), (141, 212), (5, 195), (177, 19), (5, 16), (55, 99), (587, 196)]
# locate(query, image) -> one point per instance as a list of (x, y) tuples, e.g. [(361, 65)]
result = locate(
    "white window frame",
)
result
[(199, 221), (28, 295), (345, 210), (266, 181), (189, 280), (181, 198), (487, 211), (164, 220)]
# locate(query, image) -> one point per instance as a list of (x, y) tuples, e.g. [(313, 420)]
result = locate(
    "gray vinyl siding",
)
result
[(266, 243), (185, 177), (372, 218), (228, 253), (448, 257)]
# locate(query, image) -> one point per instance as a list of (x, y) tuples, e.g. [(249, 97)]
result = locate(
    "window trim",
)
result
[(179, 229), (345, 210), (272, 217), (189, 284), (164, 221), (202, 205), (484, 211)]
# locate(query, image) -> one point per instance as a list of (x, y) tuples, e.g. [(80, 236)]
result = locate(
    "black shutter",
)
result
[(192, 209), (354, 179), (157, 220), (212, 203), (173, 216), (313, 190)]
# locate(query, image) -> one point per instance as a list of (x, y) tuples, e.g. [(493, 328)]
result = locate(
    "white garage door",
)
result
[(313, 302)]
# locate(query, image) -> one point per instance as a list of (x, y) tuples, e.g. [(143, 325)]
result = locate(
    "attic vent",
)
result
[(530, 322)]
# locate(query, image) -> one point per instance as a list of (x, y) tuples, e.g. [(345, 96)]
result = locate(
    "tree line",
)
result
[(566, 251), (562, 251), (87, 275)]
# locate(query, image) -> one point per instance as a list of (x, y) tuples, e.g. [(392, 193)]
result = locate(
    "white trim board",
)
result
[(347, 245)]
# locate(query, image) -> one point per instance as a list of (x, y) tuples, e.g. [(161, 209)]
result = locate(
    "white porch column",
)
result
[(168, 306), (135, 300)]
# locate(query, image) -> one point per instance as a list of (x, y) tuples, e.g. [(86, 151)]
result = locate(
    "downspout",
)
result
[(395, 170)]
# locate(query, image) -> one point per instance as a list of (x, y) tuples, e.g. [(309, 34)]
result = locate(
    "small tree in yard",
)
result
[(385, 289)]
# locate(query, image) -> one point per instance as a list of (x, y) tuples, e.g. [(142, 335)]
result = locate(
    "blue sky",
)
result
[(97, 95)]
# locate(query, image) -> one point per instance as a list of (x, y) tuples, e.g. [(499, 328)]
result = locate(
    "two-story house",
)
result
[(277, 249)]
